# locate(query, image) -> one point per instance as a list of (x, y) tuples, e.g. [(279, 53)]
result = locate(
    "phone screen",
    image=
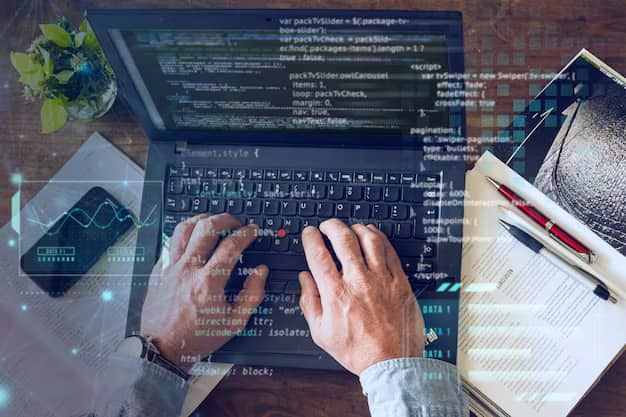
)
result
[(76, 241)]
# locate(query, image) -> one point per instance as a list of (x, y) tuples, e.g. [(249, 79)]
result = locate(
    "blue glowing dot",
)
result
[(12, 243), (74, 351), (16, 178), (125, 182), (24, 307), (5, 396), (106, 296)]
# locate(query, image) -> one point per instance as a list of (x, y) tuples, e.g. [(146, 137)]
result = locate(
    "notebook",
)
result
[(533, 340)]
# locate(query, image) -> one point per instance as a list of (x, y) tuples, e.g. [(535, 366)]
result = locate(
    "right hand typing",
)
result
[(366, 313)]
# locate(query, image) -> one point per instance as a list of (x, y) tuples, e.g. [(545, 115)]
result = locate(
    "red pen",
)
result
[(555, 231)]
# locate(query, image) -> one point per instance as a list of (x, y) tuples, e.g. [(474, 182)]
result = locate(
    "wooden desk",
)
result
[(505, 35)]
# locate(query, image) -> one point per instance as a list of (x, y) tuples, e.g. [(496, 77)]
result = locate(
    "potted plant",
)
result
[(67, 69)]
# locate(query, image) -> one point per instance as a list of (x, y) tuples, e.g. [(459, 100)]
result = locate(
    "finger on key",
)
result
[(205, 235)]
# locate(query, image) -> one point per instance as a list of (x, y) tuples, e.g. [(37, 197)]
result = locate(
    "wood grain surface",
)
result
[(500, 35)]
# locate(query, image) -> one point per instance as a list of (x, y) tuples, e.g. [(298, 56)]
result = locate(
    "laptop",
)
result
[(285, 118)]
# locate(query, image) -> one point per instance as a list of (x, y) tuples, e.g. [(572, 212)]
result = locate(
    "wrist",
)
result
[(145, 349)]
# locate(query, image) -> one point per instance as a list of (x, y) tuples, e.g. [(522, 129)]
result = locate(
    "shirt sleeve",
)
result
[(134, 387), (413, 387)]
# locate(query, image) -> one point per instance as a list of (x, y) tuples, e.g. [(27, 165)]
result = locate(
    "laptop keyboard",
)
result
[(285, 201)]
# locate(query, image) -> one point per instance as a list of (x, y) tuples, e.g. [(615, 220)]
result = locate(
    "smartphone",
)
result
[(76, 241)]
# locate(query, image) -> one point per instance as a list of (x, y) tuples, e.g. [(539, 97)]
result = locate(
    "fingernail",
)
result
[(263, 271)]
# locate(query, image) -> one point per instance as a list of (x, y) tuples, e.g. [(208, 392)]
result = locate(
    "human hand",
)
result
[(366, 313), (186, 313)]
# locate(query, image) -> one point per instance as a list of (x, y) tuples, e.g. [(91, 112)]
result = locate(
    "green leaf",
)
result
[(64, 76), (56, 34), (79, 38), (23, 63), (33, 79), (84, 26), (53, 116), (91, 42)]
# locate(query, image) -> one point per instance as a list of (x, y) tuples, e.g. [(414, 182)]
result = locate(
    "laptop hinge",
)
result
[(181, 146)]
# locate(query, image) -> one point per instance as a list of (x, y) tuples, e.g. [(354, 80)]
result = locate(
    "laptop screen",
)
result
[(296, 77)]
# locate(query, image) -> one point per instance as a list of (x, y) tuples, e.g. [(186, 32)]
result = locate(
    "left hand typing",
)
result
[(186, 313)]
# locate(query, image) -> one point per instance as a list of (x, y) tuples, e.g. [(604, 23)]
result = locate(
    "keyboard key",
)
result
[(281, 189), (199, 205), (301, 190), (386, 228), (234, 206), (402, 230), (427, 212), (378, 178), (229, 187), (346, 176), (193, 187), (270, 174), (301, 175), (362, 211), (211, 173), (261, 243), (332, 176), (285, 175), (197, 172), (306, 209), (270, 207), (216, 205), (380, 211), (178, 171), (177, 203), (296, 245), (240, 173), (407, 178), (361, 177), (280, 245), (210, 188), (310, 222), (373, 192), (175, 186), (253, 206), (393, 178), (254, 220), (399, 212), (169, 222), (226, 173), (325, 209), (272, 223), (256, 174), (412, 195), (335, 191), (291, 226), (354, 192), (343, 210), (262, 189), (431, 179), (288, 208), (391, 193), (247, 188), (318, 191), (317, 176)]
